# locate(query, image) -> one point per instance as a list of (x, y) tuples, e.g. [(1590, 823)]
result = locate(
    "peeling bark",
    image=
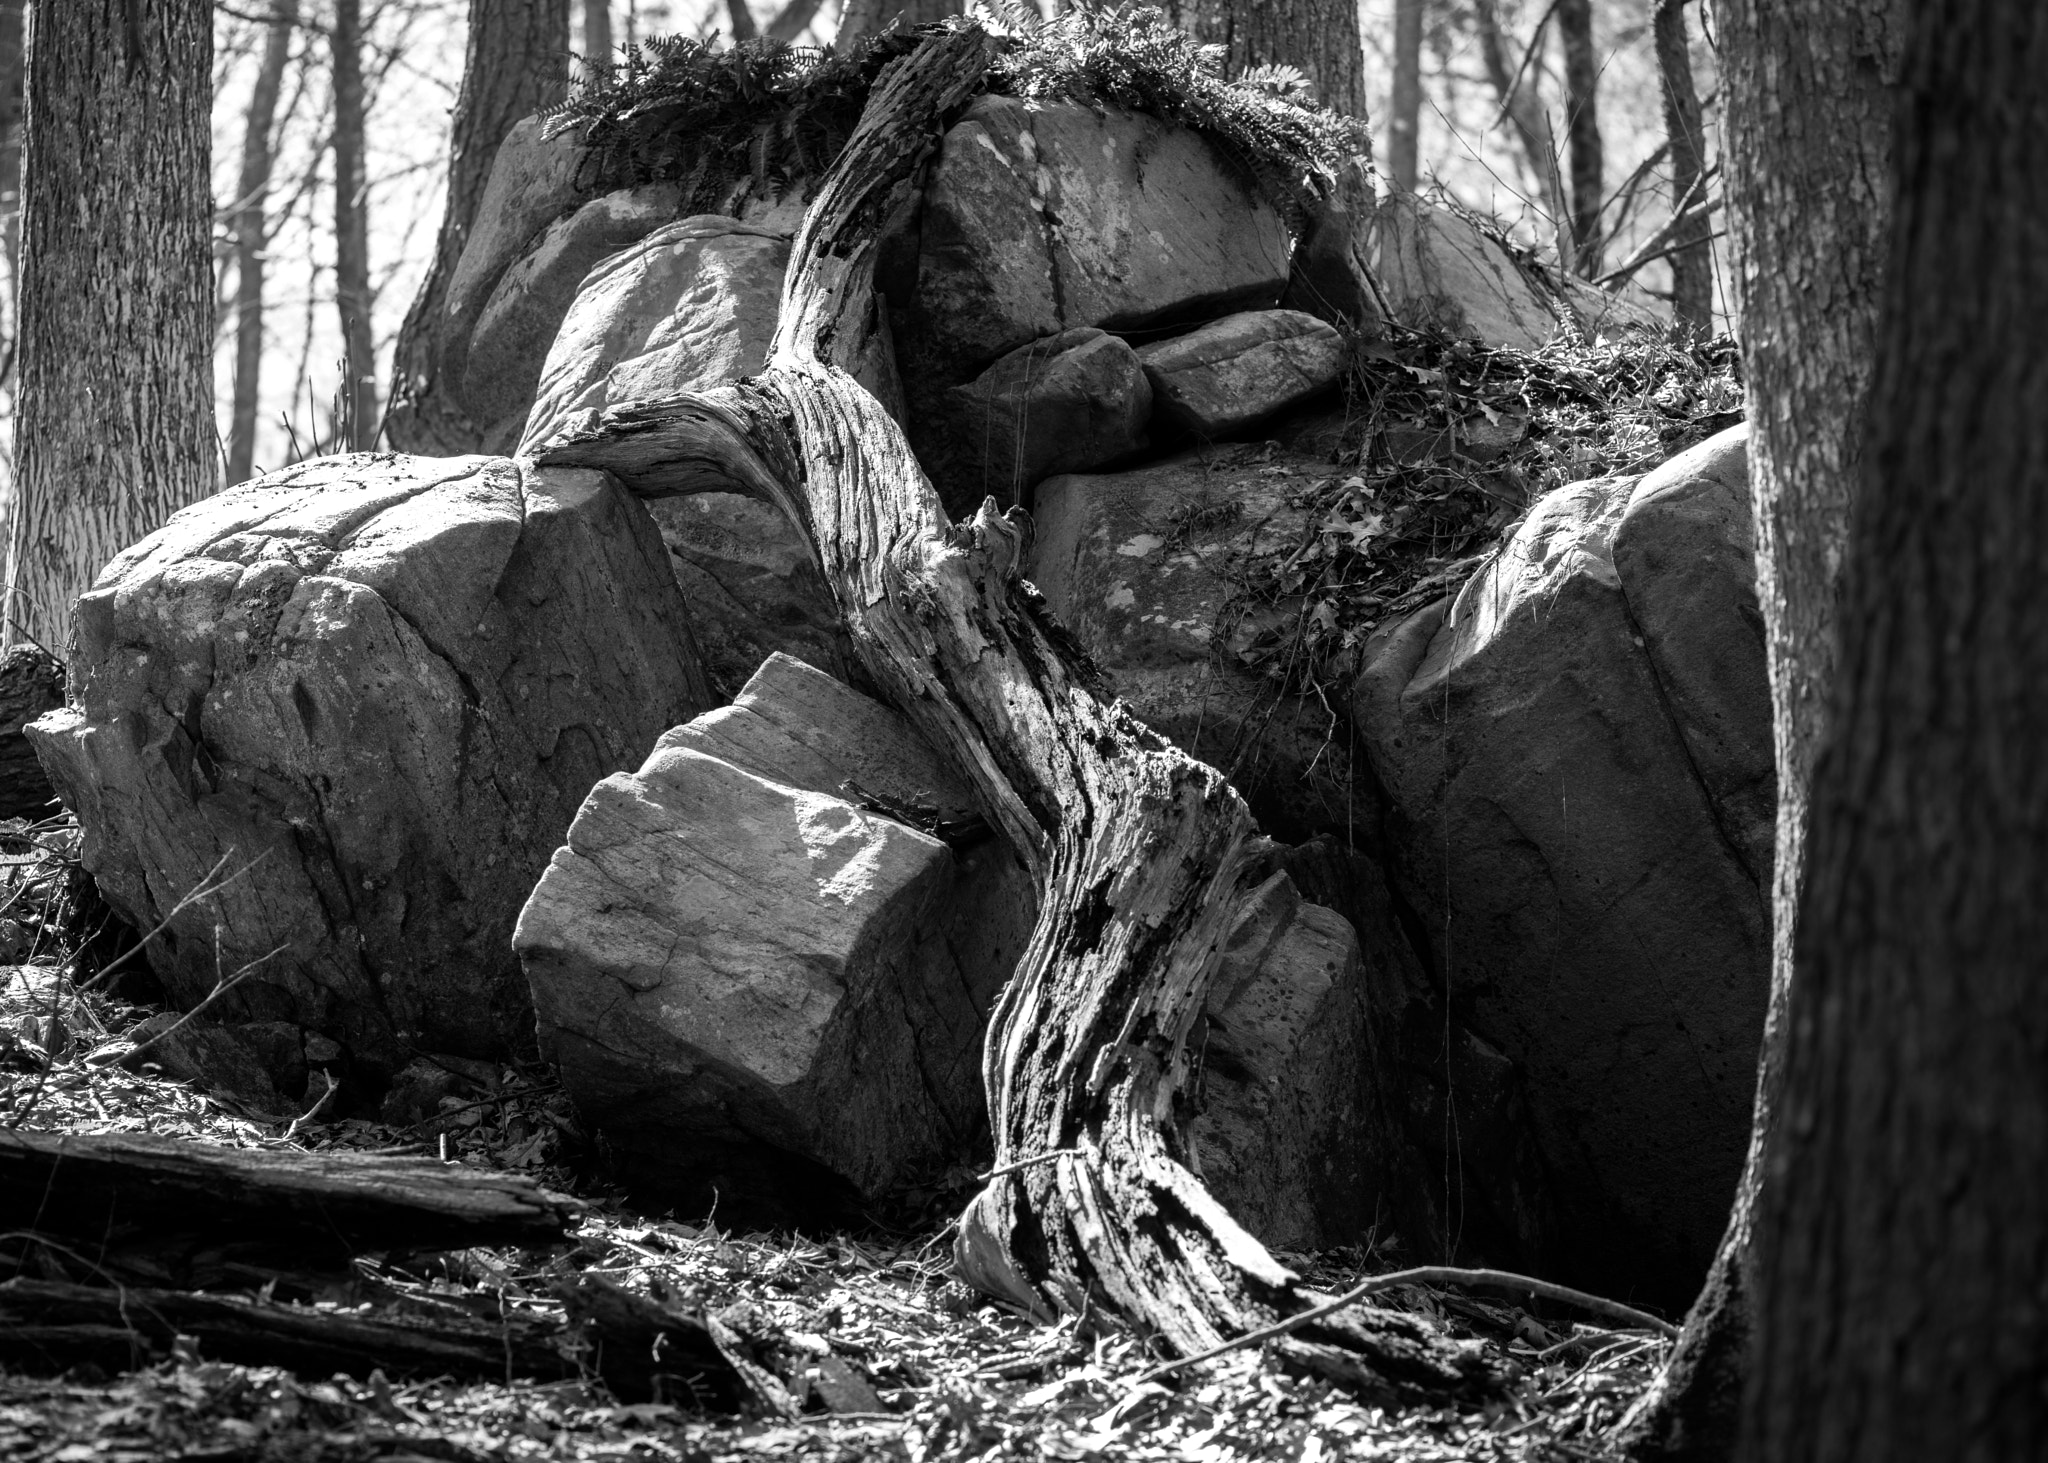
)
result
[(1145, 855)]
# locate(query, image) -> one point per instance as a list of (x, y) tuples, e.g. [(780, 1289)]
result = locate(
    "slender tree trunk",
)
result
[(115, 425), (513, 66), (13, 75), (1319, 36), (1902, 1227), (1692, 265), (597, 32), (1145, 855), (251, 226), (1582, 131), (1404, 112), (741, 19), (1521, 101), (1807, 151), (792, 20), (357, 430)]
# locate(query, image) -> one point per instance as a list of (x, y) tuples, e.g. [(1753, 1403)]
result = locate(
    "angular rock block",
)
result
[(1436, 269), (1038, 219), (1067, 403), (1146, 567), (687, 307), (525, 308), (1220, 379), (764, 985), (380, 685), (1577, 749)]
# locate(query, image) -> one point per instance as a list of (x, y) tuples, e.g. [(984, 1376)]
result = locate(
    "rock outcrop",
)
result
[(763, 980), (1219, 380), (1149, 567), (373, 688), (1577, 750)]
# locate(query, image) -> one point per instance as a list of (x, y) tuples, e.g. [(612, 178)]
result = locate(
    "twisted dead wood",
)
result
[(1145, 855)]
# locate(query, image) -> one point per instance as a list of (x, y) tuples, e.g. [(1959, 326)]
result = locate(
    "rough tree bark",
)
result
[(1692, 263), (1807, 151), (1404, 107), (1521, 100), (1582, 131), (252, 192), (114, 431), (1145, 855), (357, 429), (1902, 1225), (513, 66), (1319, 36)]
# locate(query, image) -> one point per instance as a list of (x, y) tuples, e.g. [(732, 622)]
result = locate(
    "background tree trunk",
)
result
[(251, 225), (513, 66), (1521, 101), (1404, 110), (1582, 132), (866, 17), (1692, 263), (1319, 36), (1807, 149), (115, 427), (597, 31), (357, 429), (1902, 1225), (1145, 855)]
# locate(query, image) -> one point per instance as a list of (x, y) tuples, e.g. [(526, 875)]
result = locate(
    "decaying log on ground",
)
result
[(188, 1213), (1145, 855)]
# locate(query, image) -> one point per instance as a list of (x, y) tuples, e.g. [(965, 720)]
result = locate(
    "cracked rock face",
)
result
[(763, 979), (1578, 754), (380, 685)]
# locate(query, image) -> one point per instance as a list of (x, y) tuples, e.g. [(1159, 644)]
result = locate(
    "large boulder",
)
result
[(520, 317), (687, 307), (1244, 368), (1038, 219), (1149, 568), (1577, 751), (763, 981), (1435, 268), (373, 689)]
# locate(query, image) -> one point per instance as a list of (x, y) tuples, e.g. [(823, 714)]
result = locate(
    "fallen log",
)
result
[(184, 1213), (1145, 855)]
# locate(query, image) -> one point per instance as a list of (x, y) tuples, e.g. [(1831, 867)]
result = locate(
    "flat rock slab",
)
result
[(1436, 269), (375, 687), (763, 984), (1220, 379), (1038, 219), (1576, 750)]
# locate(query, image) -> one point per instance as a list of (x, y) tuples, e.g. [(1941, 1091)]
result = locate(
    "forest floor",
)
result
[(958, 1376)]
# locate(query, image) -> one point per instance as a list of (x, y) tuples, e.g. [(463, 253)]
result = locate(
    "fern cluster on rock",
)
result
[(772, 114)]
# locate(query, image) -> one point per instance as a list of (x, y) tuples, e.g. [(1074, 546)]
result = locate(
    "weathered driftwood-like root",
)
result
[(1145, 854)]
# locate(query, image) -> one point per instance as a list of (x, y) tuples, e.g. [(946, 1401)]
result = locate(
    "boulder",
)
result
[(1066, 403), (1149, 568), (519, 319), (1574, 749), (31, 683), (687, 307), (1436, 269), (373, 688), (761, 975), (1330, 278), (1218, 380), (752, 585), (1038, 219)]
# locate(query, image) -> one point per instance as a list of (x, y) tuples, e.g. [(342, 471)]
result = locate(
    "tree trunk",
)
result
[(1319, 36), (252, 191), (1807, 152), (741, 19), (115, 425), (1521, 101), (1404, 112), (513, 66), (867, 17), (597, 32), (1582, 131), (1692, 263), (1145, 856), (1900, 1258), (357, 429)]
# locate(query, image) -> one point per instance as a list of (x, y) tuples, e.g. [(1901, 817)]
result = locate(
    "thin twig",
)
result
[(1031, 1162), (206, 888), (333, 1086), (221, 987), (1425, 1275)]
